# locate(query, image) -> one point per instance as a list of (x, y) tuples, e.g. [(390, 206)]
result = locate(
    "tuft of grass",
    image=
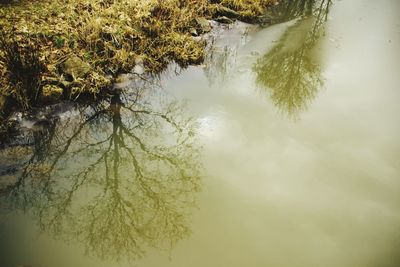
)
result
[(22, 70), (248, 10)]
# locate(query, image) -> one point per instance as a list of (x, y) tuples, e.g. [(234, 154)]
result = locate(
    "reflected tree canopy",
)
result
[(119, 177), (291, 71)]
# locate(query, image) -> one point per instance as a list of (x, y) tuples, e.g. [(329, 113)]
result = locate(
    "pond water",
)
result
[(281, 150)]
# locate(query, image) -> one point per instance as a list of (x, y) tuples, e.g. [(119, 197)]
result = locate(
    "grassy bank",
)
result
[(54, 50)]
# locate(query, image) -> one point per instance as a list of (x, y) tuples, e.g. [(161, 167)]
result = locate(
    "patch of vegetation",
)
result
[(22, 70), (248, 10), (76, 47)]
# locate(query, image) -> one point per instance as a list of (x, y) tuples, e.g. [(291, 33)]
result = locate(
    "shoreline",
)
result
[(52, 52)]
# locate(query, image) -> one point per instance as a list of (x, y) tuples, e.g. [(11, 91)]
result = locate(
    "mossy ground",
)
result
[(100, 38)]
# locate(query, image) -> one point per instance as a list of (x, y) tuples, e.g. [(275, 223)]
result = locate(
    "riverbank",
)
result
[(52, 51)]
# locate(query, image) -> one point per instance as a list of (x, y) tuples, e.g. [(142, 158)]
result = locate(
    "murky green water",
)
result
[(282, 150)]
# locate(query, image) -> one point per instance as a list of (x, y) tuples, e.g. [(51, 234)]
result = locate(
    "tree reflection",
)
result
[(219, 63), (121, 177), (291, 9), (291, 71)]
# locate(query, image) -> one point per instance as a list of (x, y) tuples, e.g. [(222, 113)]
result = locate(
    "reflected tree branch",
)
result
[(121, 190)]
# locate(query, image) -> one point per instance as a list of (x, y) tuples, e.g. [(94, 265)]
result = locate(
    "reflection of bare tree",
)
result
[(119, 179), (290, 70), (291, 9), (222, 57), (219, 63)]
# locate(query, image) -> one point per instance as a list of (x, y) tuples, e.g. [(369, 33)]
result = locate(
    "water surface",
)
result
[(286, 153)]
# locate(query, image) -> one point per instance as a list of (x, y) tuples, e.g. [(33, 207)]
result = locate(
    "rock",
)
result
[(139, 66), (203, 25), (267, 19), (226, 12), (193, 32), (224, 20), (51, 93), (75, 67)]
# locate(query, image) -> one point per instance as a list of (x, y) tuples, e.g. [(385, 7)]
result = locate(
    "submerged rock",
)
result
[(224, 20), (226, 12)]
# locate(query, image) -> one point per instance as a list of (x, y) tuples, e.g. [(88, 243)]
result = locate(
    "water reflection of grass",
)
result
[(119, 179), (291, 71)]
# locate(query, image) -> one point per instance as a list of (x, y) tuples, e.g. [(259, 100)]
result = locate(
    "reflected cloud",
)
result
[(120, 177), (291, 71)]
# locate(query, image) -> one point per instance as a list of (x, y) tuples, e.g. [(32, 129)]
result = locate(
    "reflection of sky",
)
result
[(322, 189), (208, 127), (329, 179)]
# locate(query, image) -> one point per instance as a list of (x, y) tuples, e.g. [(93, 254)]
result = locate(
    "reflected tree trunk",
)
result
[(119, 190), (291, 70)]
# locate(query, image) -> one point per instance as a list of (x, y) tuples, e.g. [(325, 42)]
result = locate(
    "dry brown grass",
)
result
[(249, 10), (109, 36)]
